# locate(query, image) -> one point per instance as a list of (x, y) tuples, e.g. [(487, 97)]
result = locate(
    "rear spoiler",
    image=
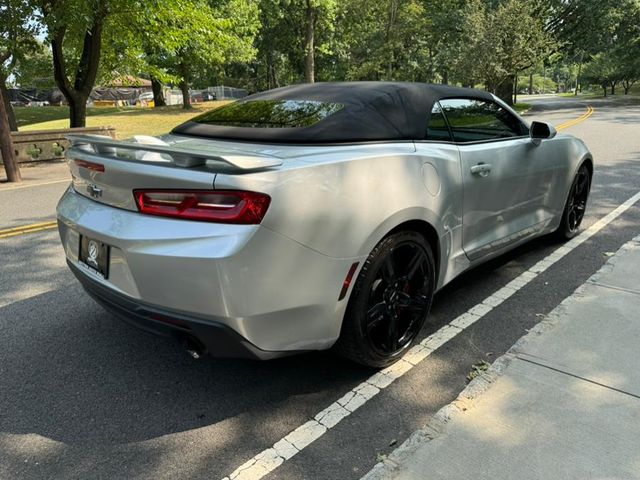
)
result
[(179, 156)]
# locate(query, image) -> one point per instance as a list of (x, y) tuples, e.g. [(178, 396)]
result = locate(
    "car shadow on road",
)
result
[(611, 113), (31, 264), (97, 379)]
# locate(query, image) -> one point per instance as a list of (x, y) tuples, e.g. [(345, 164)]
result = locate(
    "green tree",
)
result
[(624, 46), (629, 66), (6, 148), (279, 45), (445, 36), (600, 71), (17, 31), (384, 40), (199, 37), (35, 69), (17, 40), (500, 41), (586, 28), (75, 31), (318, 14), (295, 37)]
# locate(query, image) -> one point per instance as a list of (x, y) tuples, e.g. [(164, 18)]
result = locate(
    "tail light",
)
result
[(221, 206), (96, 167)]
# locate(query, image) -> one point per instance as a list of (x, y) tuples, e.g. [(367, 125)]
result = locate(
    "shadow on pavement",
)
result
[(89, 375)]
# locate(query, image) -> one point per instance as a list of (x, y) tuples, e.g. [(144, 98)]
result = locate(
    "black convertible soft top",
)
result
[(335, 112)]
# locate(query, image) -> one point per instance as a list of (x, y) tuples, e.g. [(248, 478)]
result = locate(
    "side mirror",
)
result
[(540, 131)]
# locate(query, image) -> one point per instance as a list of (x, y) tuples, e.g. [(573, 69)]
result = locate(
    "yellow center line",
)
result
[(578, 120), (24, 229)]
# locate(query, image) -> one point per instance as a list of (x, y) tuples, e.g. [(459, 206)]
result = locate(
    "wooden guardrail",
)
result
[(48, 145)]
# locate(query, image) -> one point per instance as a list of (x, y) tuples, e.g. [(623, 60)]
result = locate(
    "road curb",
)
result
[(437, 425)]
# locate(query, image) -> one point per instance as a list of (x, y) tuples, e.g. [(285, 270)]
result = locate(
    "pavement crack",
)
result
[(613, 287), (578, 377)]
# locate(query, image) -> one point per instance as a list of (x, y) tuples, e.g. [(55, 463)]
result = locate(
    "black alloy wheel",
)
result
[(576, 205), (390, 301)]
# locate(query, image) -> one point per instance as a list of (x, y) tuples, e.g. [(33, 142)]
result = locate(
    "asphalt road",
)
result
[(83, 395)]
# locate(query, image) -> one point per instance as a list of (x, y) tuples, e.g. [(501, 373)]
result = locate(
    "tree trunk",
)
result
[(575, 94), (268, 70), (86, 70), (613, 88), (489, 86), (504, 90), (531, 84), (6, 146), (272, 73), (445, 77), (604, 89), (309, 45), (184, 85), (515, 89), (186, 98), (11, 115), (389, 36), (78, 111), (158, 95), (273, 77)]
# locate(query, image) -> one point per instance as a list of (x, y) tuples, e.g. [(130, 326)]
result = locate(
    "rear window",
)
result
[(269, 114)]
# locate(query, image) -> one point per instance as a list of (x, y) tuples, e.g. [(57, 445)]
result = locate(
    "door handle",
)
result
[(482, 169)]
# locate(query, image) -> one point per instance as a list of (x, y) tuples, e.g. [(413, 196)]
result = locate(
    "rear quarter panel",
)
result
[(341, 201)]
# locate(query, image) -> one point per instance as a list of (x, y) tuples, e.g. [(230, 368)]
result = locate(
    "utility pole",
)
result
[(6, 146)]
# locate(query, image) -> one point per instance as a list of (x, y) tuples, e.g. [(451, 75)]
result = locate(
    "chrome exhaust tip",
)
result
[(193, 348)]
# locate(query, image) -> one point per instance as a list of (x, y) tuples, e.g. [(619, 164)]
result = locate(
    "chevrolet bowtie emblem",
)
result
[(94, 190)]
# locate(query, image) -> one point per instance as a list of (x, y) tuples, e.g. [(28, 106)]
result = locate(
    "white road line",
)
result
[(271, 458)]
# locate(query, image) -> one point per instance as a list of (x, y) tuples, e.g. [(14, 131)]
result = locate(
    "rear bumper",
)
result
[(269, 290), (214, 338)]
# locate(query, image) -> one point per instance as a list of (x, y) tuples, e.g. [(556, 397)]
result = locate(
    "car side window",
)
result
[(473, 120), (438, 130)]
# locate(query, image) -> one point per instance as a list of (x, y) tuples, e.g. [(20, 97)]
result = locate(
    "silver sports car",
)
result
[(313, 216)]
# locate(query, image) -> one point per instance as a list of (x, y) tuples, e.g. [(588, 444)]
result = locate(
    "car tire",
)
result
[(576, 204), (390, 301)]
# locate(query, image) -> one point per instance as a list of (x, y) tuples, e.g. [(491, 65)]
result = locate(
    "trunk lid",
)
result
[(108, 171)]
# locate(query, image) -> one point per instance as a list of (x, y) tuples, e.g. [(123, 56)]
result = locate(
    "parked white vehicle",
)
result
[(313, 216)]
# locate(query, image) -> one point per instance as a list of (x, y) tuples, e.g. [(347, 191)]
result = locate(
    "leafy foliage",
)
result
[(261, 44), (35, 68), (17, 41), (17, 34)]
